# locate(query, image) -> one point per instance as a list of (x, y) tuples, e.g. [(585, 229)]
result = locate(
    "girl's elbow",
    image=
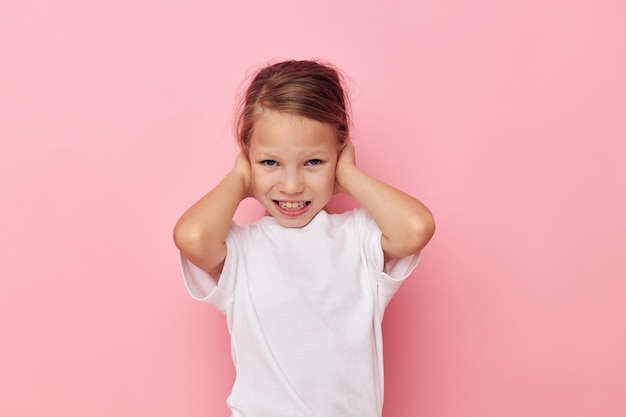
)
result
[(415, 235), (196, 246), (422, 230), (186, 238)]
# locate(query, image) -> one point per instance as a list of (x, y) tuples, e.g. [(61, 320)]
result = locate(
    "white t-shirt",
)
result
[(304, 308)]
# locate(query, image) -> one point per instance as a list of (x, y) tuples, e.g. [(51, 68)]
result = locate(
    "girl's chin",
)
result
[(293, 221)]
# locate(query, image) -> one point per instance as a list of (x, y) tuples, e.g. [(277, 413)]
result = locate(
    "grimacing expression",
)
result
[(293, 161)]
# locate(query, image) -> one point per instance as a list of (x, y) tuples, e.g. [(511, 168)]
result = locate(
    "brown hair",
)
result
[(305, 88)]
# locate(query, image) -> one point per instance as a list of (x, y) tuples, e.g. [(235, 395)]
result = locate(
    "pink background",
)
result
[(508, 119)]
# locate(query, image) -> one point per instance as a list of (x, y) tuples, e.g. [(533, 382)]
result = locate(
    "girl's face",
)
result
[(293, 162)]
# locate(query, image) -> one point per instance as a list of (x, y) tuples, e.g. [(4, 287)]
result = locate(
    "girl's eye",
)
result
[(315, 162), (269, 163)]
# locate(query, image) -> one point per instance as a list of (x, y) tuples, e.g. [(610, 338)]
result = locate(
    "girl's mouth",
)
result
[(292, 205)]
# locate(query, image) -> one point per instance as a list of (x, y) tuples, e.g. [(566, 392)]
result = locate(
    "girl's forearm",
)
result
[(406, 224)]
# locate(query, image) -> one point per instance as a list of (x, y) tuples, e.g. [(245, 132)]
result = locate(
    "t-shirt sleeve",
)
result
[(200, 284), (390, 274), (203, 286)]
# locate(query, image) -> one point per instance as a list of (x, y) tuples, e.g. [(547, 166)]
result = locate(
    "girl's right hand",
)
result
[(345, 160), (242, 168)]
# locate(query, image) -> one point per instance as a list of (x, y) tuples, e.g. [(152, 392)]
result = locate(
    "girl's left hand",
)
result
[(345, 160)]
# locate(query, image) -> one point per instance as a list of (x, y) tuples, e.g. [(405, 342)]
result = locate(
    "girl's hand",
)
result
[(242, 168), (345, 161)]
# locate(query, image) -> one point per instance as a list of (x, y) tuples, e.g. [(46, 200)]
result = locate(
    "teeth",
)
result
[(288, 205)]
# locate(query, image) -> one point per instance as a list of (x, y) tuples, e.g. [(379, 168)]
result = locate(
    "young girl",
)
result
[(303, 290)]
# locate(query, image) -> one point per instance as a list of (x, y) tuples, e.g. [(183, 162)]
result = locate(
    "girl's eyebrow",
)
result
[(318, 155), (269, 154), (264, 153)]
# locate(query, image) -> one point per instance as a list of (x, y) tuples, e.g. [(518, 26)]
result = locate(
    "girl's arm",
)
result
[(406, 224), (201, 231)]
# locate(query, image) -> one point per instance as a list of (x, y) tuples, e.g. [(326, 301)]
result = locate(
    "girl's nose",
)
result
[(291, 183)]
